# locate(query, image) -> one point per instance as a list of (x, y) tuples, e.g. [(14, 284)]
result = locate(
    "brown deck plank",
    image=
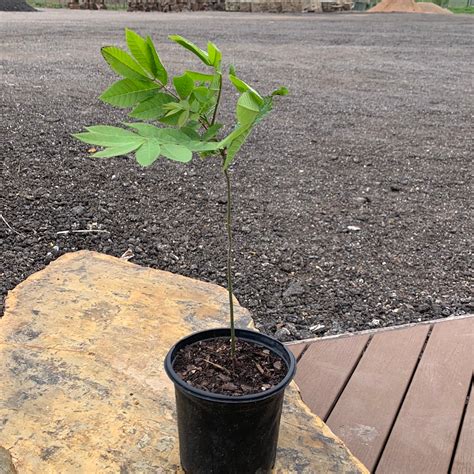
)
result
[(364, 414), (324, 370), (424, 434), (464, 458), (297, 349)]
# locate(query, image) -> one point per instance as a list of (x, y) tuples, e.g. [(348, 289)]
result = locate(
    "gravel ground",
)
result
[(353, 202)]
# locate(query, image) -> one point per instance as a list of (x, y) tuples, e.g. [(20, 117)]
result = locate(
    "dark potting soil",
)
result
[(208, 365)]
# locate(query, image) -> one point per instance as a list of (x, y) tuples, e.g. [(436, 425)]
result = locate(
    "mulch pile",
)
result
[(15, 6), (407, 6)]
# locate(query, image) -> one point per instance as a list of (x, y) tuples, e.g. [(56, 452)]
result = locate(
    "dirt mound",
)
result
[(394, 6), (15, 6), (428, 7), (407, 6)]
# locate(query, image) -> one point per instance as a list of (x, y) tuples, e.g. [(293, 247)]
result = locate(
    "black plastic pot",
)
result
[(222, 434)]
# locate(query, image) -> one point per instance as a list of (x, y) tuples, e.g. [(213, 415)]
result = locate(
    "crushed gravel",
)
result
[(353, 202)]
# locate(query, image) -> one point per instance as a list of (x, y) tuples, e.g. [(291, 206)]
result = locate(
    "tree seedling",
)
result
[(184, 110)]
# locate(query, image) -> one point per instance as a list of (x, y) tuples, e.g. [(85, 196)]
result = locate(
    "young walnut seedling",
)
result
[(184, 110)]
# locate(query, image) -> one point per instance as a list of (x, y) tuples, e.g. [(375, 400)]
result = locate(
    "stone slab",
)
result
[(83, 389)]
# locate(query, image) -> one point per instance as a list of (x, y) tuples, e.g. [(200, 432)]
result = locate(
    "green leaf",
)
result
[(146, 130), (280, 91), (214, 54), (199, 76), (159, 70), (199, 146), (232, 70), (110, 131), (177, 152), (149, 152), (247, 109), (117, 150), (191, 133), (239, 130), (140, 50), (242, 87), (173, 109), (171, 135), (123, 64), (191, 47), (127, 92), (183, 118), (117, 140), (235, 147), (152, 108), (265, 109), (184, 85), (105, 140), (201, 93), (212, 131)]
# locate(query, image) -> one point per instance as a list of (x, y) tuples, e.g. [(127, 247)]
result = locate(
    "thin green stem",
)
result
[(229, 263), (214, 115)]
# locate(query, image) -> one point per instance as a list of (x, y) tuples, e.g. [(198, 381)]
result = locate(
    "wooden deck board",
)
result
[(297, 349), (335, 360), (464, 457), (424, 434), (366, 410)]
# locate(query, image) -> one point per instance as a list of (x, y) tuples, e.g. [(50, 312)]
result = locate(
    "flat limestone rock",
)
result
[(83, 388)]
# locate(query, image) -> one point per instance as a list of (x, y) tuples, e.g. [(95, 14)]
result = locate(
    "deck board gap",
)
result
[(306, 347), (461, 423), (428, 335), (334, 403)]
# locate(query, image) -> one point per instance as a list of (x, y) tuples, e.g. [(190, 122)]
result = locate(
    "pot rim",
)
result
[(245, 334)]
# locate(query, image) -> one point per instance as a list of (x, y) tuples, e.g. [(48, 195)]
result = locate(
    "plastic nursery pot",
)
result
[(223, 434)]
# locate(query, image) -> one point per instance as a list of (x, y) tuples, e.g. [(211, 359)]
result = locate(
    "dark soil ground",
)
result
[(353, 202)]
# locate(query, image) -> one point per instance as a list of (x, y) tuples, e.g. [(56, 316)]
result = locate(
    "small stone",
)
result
[(353, 228), (295, 288), (423, 308), (286, 267), (317, 328), (291, 328), (362, 199), (374, 323), (78, 210), (246, 229), (282, 333)]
